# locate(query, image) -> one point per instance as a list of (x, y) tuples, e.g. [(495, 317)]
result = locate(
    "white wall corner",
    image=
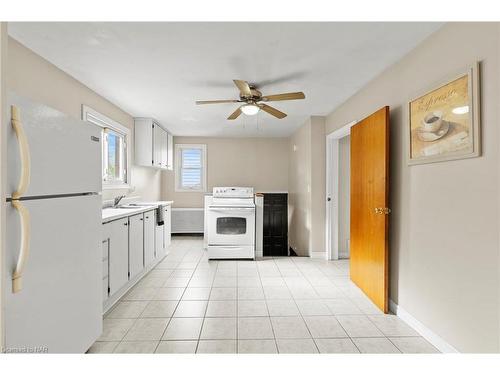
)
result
[(425, 332)]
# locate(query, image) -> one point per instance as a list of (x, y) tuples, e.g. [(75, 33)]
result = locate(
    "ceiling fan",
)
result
[(253, 100)]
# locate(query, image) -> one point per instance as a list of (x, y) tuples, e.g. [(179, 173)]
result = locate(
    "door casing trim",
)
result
[(332, 189)]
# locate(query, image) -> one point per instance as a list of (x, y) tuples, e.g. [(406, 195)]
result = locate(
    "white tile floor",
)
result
[(188, 304)]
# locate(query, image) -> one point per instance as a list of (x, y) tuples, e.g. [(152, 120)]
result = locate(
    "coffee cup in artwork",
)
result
[(432, 121)]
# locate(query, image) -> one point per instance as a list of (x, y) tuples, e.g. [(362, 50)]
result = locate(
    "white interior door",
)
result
[(60, 304), (333, 193)]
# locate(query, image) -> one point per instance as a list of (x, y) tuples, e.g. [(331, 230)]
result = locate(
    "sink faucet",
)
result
[(117, 200)]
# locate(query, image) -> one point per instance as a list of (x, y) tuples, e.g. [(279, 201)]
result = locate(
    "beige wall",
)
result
[(344, 195), (261, 163), (444, 239), (306, 184), (3, 171), (299, 190), (318, 186), (34, 77)]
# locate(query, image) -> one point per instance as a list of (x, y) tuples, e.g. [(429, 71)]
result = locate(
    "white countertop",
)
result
[(110, 213)]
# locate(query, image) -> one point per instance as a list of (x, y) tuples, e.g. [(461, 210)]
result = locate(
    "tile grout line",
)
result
[(189, 251), (205, 315), (269, 314), (178, 302), (300, 312), (173, 312)]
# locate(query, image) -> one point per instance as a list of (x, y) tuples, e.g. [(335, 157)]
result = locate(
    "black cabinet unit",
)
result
[(275, 231)]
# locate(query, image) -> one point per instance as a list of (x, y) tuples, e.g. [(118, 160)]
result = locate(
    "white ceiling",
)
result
[(159, 69)]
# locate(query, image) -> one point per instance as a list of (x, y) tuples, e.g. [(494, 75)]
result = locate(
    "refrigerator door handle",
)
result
[(24, 153), (17, 276)]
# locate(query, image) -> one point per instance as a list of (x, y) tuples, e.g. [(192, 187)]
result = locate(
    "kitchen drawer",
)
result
[(105, 284), (105, 269)]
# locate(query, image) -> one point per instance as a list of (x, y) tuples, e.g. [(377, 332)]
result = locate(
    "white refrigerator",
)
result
[(52, 276)]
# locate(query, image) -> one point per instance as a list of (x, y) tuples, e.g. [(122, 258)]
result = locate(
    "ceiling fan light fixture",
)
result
[(250, 109)]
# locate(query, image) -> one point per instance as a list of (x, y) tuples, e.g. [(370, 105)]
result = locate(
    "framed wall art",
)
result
[(444, 122)]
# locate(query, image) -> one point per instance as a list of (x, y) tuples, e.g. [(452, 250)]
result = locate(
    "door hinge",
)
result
[(109, 290), (129, 274)]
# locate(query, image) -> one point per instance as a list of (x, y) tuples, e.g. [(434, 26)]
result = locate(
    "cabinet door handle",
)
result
[(125, 224), (141, 219)]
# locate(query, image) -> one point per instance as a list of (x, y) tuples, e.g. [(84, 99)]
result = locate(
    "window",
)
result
[(114, 160), (115, 155), (190, 167)]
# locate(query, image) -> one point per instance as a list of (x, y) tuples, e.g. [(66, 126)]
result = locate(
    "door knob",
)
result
[(382, 210)]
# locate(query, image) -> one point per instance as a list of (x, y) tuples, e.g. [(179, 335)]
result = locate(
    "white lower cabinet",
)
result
[(105, 268), (167, 219), (131, 246), (136, 244), (116, 241), (149, 237), (159, 241)]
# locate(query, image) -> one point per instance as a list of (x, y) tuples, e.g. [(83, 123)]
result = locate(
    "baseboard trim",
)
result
[(318, 255), (426, 333)]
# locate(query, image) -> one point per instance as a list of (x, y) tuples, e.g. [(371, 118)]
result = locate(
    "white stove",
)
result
[(230, 215)]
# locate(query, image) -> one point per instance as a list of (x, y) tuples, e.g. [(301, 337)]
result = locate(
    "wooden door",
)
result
[(275, 222), (369, 265)]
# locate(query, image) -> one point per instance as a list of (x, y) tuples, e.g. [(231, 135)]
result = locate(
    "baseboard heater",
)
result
[(187, 220)]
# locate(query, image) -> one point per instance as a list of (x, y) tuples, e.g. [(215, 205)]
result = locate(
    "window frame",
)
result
[(97, 118), (178, 164)]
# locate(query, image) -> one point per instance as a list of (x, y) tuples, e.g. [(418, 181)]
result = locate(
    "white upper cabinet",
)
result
[(170, 152), (153, 144), (164, 149), (157, 145)]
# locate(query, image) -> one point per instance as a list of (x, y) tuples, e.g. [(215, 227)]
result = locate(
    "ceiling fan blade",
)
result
[(216, 101), (286, 96), (235, 114), (272, 111), (243, 86)]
